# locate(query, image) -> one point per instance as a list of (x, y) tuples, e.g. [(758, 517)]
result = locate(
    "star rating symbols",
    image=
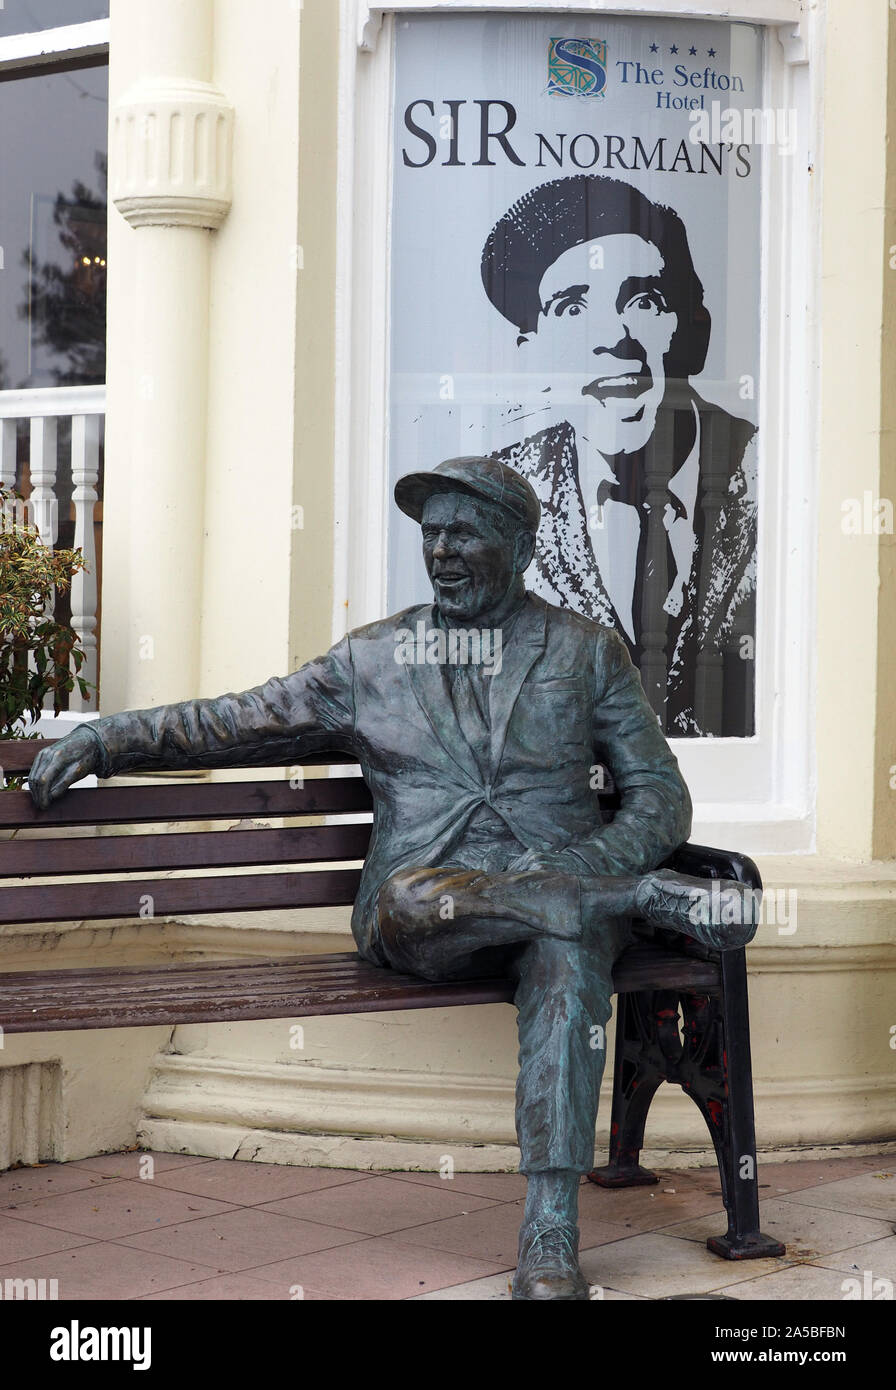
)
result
[(693, 50)]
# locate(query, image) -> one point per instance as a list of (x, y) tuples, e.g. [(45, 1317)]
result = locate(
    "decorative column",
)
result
[(170, 179)]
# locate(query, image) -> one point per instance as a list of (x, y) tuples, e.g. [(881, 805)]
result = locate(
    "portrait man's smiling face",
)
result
[(603, 334)]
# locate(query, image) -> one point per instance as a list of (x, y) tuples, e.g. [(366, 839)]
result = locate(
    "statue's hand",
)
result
[(55, 769)]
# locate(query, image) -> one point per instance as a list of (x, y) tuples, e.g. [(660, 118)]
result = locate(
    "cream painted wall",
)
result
[(248, 538), (855, 675), (884, 844), (311, 598)]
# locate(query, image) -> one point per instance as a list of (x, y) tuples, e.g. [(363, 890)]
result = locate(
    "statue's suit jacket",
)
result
[(565, 698), (719, 593)]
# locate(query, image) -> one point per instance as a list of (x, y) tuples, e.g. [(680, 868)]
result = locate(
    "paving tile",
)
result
[(497, 1288), (104, 1270), (878, 1257), (493, 1234), (866, 1194), (691, 1181), (808, 1232), (21, 1185), (128, 1163), (379, 1206), (494, 1288), (20, 1240), (797, 1283), (222, 1230), (115, 1209), (648, 1208), (248, 1184), (679, 1178), (655, 1265), (232, 1288), (240, 1238), (500, 1187), (791, 1177), (381, 1268)]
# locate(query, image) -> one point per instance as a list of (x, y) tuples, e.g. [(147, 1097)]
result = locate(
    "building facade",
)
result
[(270, 259)]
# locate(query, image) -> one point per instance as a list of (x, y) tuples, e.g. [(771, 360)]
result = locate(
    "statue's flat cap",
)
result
[(486, 478)]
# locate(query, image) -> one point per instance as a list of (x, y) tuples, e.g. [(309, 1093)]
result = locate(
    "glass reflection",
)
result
[(53, 229)]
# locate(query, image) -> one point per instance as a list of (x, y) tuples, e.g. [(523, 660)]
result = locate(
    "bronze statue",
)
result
[(479, 722)]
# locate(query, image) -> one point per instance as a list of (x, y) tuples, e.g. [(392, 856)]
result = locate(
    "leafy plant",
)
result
[(39, 657)]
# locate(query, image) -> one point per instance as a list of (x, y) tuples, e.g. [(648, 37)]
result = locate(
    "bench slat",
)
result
[(230, 991), (225, 991), (18, 754), (189, 801), (184, 850), (321, 962), (236, 893)]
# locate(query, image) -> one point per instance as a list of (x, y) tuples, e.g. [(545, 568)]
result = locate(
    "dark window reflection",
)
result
[(27, 16), (53, 229)]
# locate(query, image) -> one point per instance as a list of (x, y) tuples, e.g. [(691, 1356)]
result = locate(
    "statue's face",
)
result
[(604, 332), (471, 565)]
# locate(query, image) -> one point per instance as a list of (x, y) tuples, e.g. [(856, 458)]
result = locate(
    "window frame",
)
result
[(755, 794), (24, 55)]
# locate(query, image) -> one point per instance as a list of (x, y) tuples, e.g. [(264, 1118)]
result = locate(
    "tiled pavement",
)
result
[(198, 1228)]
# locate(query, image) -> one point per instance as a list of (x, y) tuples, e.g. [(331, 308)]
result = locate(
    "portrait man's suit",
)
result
[(709, 684)]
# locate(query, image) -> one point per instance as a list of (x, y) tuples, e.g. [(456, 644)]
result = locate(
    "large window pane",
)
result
[(29, 16), (575, 287), (53, 229)]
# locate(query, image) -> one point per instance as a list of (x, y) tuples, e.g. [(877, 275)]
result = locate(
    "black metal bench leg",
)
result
[(733, 1128), (635, 1082)]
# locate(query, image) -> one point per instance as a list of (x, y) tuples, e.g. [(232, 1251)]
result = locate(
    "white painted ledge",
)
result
[(362, 1118)]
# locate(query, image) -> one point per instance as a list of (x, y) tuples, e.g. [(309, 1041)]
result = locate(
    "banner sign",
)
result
[(575, 287)]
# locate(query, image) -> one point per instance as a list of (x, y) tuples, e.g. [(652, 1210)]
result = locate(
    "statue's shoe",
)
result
[(548, 1265), (721, 913)]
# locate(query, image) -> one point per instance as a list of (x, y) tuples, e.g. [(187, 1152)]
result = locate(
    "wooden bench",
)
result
[(709, 1056)]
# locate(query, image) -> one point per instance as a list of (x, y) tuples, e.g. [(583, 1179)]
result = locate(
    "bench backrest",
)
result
[(237, 842)]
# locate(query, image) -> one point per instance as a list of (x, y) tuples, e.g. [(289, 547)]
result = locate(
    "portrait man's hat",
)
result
[(486, 478), (554, 216)]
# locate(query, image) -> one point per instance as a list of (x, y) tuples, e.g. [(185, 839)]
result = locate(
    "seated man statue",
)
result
[(489, 853)]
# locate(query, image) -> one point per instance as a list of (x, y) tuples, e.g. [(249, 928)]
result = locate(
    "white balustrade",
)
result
[(85, 476), (43, 408)]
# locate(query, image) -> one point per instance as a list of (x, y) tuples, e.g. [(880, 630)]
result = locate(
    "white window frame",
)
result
[(755, 795), (43, 47)]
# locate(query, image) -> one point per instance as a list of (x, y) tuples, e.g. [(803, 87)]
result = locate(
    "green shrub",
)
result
[(39, 657)]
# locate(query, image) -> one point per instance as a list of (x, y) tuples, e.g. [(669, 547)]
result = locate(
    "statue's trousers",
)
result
[(453, 923)]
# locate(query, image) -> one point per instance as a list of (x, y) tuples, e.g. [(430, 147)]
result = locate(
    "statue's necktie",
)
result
[(469, 695)]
